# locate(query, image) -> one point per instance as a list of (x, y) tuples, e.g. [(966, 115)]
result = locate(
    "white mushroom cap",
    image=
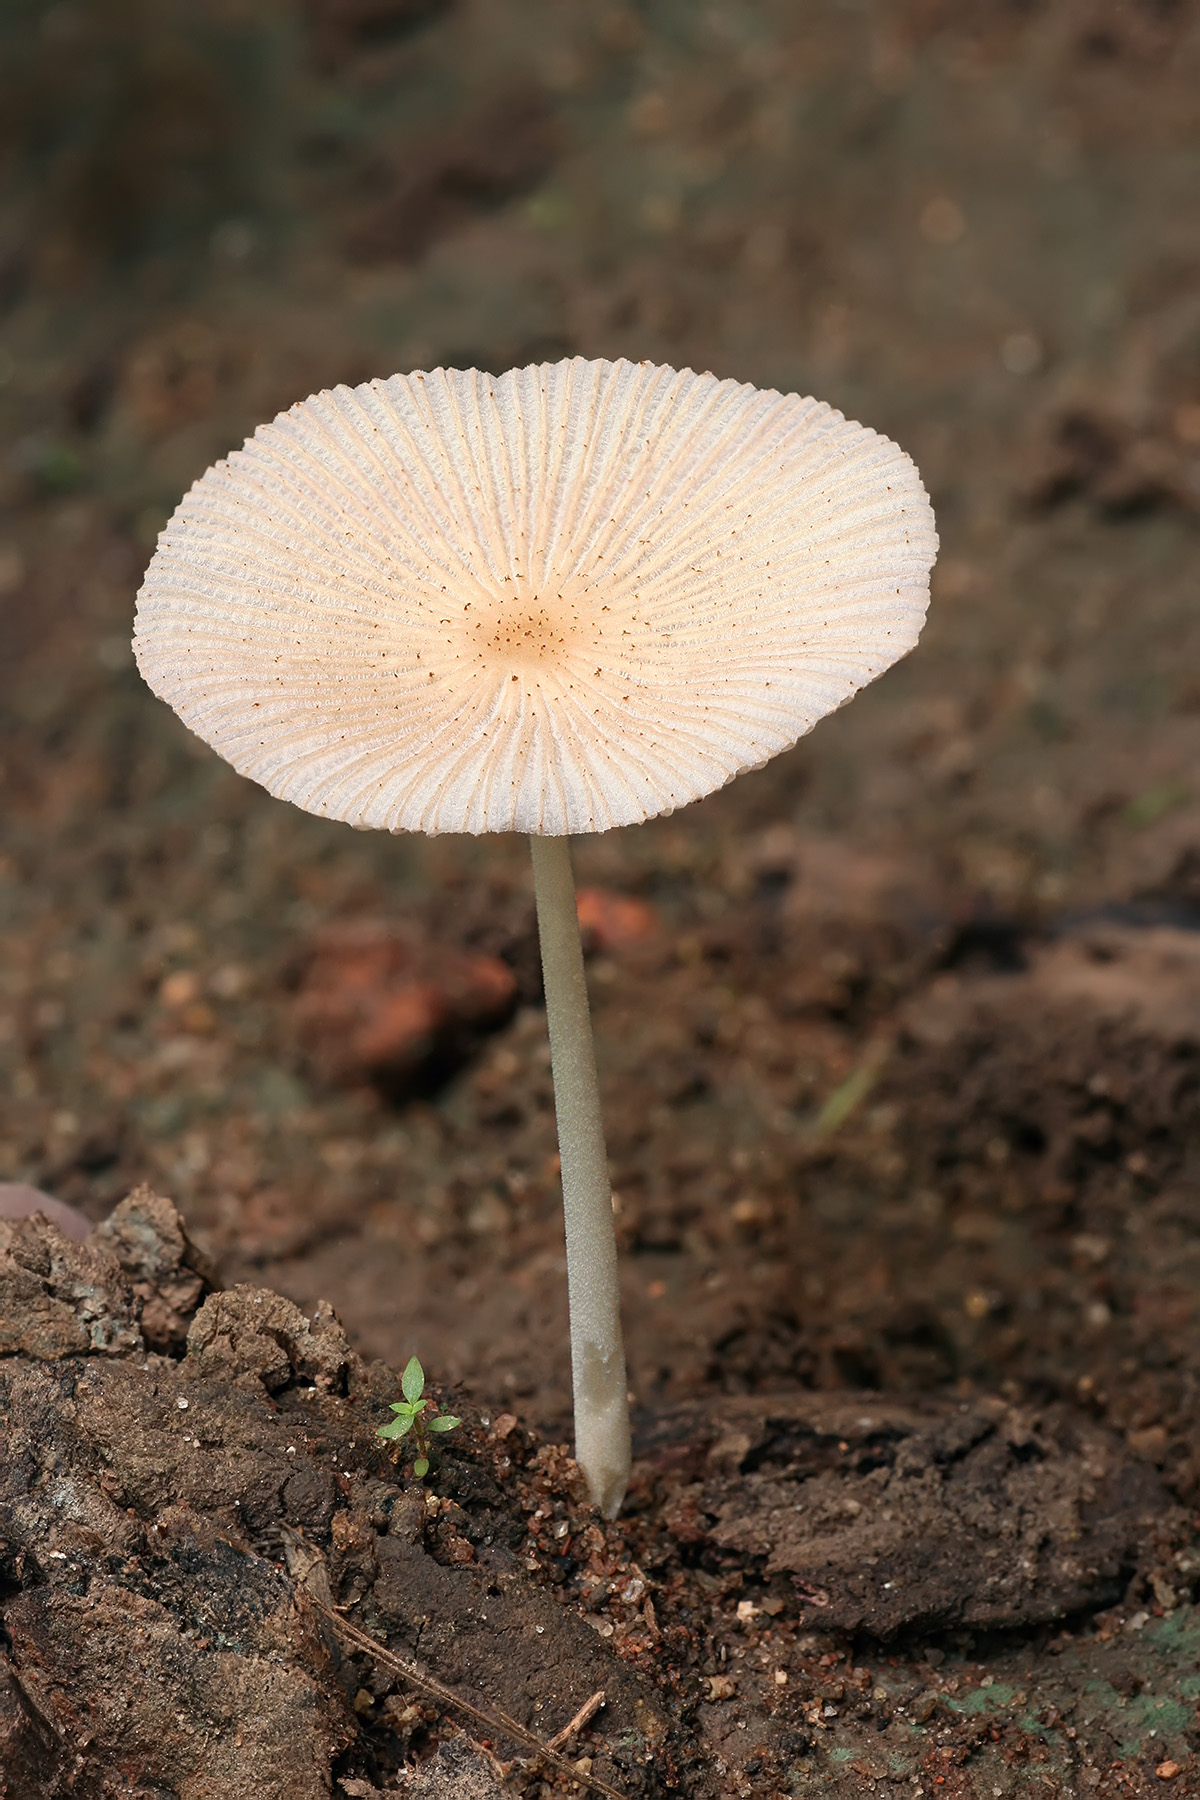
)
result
[(556, 600)]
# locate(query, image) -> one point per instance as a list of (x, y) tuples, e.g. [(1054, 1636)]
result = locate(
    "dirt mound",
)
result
[(214, 1577), (890, 1515)]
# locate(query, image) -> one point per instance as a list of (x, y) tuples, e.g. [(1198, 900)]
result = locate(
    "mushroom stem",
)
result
[(602, 1446)]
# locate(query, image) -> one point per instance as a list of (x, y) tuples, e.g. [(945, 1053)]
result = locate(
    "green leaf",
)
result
[(444, 1422), (397, 1429), (421, 1467), (402, 1406), (412, 1382)]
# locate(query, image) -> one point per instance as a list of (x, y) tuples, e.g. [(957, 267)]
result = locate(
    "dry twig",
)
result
[(496, 1721), (587, 1711)]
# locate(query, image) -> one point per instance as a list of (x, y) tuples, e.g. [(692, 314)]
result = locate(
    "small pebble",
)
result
[(18, 1201)]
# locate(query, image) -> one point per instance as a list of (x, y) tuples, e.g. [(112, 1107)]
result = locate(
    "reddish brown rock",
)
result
[(378, 1004), (611, 921)]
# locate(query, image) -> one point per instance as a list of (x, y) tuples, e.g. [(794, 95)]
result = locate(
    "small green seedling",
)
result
[(410, 1416)]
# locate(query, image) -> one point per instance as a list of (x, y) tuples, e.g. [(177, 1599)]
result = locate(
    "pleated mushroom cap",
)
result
[(557, 600)]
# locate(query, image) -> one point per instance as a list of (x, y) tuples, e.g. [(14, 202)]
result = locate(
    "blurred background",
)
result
[(970, 223)]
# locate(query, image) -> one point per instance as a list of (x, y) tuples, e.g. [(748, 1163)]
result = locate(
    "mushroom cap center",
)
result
[(527, 631)]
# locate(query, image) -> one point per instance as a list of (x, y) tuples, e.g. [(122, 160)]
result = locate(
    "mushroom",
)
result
[(558, 600)]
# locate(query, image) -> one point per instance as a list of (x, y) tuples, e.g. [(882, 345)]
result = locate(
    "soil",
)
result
[(207, 1551), (899, 1037)]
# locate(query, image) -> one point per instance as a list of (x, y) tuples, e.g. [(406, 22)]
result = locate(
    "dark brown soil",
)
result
[(899, 1037), (160, 1490)]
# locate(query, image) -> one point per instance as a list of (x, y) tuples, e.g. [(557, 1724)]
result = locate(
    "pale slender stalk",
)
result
[(597, 1350)]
